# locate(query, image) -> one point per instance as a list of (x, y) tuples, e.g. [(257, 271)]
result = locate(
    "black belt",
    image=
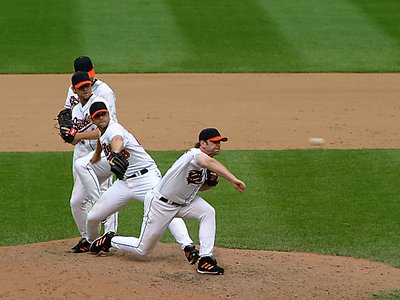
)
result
[(138, 173), (169, 202)]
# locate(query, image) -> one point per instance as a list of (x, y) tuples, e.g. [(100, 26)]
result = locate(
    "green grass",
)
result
[(44, 36), (387, 295), (35, 189), (339, 202)]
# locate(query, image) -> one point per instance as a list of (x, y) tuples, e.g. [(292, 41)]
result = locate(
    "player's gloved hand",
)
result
[(119, 164), (212, 178), (68, 134), (66, 125)]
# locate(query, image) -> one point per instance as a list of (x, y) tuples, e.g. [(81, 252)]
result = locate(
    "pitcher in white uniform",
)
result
[(140, 177), (176, 196), (89, 181)]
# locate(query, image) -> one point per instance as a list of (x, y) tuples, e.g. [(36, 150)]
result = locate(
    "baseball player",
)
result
[(176, 195), (138, 175), (99, 88), (80, 96)]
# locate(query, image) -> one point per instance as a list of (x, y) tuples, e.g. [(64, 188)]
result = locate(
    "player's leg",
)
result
[(109, 203), (120, 194), (96, 178), (80, 206), (202, 211), (141, 185), (94, 175), (111, 223), (179, 231), (157, 216), (205, 213)]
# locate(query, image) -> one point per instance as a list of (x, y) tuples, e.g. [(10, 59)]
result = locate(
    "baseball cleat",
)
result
[(102, 243), (208, 265), (82, 246), (191, 253)]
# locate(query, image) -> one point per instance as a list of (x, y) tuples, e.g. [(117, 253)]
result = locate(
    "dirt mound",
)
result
[(47, 271)]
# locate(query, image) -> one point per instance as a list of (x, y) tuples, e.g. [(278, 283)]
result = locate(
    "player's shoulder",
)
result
[(115, 126), (100, 87), (76, 107), (96, 98), (191, 153), (77, 110), (71, 91), (194, 151)]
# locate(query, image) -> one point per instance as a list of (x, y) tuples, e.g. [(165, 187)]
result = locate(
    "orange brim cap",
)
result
[(219, 139), (78, 85), (92, 73), (99, 111)]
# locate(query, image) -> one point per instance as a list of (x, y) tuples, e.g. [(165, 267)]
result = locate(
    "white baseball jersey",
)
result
[(80, 194), (138, 158), (183, 180), (99, 88), (123, 192), (81, 119), (179, 185)]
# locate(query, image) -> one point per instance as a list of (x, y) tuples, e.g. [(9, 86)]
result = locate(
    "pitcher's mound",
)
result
[(48, 271)]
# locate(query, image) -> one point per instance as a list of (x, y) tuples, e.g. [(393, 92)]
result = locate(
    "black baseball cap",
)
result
[(96, 108), (80, 78), (84, 63), (211, 134)]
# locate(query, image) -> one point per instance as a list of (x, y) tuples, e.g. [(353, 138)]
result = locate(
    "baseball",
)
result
[(316, 141)]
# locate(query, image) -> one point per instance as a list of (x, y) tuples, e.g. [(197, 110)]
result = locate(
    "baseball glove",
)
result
[(119, 164), (66, 125), (212, 178)]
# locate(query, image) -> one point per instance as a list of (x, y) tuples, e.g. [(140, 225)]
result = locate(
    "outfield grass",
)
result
[(387, 295), (340, 202), (44, 36)]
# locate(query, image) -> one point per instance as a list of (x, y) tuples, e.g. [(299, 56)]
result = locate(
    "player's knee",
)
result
[(208, 213), (148, 247), (211, 212), (81, 165), (93, 218), (74, 203), (144, 251)]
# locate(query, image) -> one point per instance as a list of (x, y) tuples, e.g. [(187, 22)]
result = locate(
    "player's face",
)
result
[(212, 148), (84, 92), (101, 120)]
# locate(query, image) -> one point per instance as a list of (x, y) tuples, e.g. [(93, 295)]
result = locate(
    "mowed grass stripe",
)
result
[(384, 13), (177, 36), (235, 36), (339, 36), (132, 35), (39, 36)]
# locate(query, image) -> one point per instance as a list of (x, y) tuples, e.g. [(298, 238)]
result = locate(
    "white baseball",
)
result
[(316, 141)]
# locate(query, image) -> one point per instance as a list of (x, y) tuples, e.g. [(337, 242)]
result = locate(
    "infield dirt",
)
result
[(166, 112)]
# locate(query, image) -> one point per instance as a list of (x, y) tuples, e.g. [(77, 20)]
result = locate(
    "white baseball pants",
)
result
[(96, 180), (158, 215), (122, 193)]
